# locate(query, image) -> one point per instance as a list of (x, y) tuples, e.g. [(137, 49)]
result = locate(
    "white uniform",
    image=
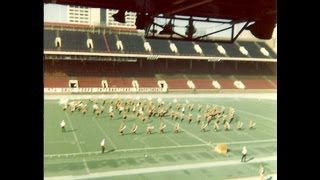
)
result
[(95, 107), (244, 150), (102, 142), (183, 109), (244, 154), (110, 109), (62, 124), (102, 145)]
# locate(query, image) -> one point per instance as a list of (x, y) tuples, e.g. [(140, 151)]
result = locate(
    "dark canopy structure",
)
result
[(258, 16)]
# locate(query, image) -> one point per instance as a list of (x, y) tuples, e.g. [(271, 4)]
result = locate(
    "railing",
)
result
[(105, 90)]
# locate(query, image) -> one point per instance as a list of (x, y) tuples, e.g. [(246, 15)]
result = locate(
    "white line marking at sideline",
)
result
[(164, 147), (165, 168)]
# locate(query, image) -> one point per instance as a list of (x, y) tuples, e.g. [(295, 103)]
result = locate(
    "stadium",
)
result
[(165, 108)]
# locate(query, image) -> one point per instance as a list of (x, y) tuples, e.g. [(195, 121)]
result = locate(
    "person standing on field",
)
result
[(244, 154), (102, 146), (63, 124)]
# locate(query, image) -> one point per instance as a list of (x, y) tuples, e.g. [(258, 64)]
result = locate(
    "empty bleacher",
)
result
[(89, 82), (93, 73), (132, 43), (271, 52), (232, 49), (112, 42), (119, 82), (210, 49), (185, 48), (226, 83), (73, 41), (98, 42), (252, 48), (203, 83), (160, 46), (176, 72), (147, 82), (257, 84), (177, 83), (56, 82), (49, 37)]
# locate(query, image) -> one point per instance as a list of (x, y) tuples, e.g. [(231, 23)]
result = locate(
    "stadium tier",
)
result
[(134, 43), (269, 50), (99, 42), (126, 60)]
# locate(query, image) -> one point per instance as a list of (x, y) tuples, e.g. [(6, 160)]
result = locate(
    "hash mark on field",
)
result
[(165, 147)]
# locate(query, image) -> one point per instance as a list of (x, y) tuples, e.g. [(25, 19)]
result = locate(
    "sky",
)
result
[(55, 13)]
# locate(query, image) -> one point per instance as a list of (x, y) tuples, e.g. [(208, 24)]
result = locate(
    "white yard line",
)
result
[(272, 96), (268, 176), (165, 147), (256, 115), (165, 168), (54, 142), (77, 142), (172, 140), (104, 133), (193, 135)]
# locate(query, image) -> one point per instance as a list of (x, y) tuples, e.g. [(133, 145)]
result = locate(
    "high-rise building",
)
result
[(78, 14), (97, 16), (129, 16)]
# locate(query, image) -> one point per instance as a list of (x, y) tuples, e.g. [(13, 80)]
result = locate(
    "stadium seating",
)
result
[(98, 42), (210, 49), (202, 84), (73, 41), (226, 84), (147, 72), (89, 81), (185, 48), (257, 84), (116, 82), (253, 48), (56, 82), (232, 49), (147, 82), (272, 53), (49, 37), (132, 43), (177, 83), (160, 46), (112, 42)]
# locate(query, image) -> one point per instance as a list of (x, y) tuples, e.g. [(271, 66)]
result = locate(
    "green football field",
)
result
[(189, 154)]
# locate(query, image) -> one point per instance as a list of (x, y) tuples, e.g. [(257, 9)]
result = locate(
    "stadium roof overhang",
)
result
[(258, 16)]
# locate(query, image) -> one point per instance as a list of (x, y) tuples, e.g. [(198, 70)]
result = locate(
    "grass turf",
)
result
[(77, 151)]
